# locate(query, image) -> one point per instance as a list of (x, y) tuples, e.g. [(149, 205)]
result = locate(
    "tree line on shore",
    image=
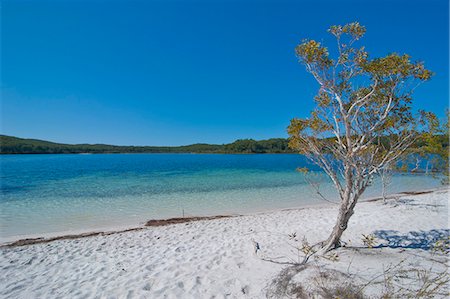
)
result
[(14, 145)]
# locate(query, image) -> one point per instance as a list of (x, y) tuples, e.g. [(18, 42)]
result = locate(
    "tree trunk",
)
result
[(383, 185), (417, 165), (346, 210), (334, 240)]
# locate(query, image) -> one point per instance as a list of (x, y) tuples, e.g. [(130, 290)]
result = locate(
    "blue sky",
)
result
[(181, 72)]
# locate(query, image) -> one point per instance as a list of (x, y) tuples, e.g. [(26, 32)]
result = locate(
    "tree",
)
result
[(431, 146), (386, 180), (434, 147), (363, 118)]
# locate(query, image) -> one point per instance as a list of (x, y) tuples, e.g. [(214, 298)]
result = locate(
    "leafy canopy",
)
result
[(364, 103)]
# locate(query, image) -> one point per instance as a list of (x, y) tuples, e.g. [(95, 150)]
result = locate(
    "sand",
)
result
[(218, 258)]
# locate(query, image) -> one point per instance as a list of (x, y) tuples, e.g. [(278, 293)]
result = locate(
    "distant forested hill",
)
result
[(14, 145)]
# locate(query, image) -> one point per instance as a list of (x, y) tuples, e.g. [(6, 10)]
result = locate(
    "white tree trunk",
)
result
[(345, 212), (385, 176), (417, 165), (383, 187), (334, 240)]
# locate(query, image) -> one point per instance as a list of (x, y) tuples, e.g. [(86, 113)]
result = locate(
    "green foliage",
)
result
[(363, 120), (357, 90), (442, 245), (275, 145), (435, 143), (430, 147), (14, 145), (363, 102), (312, 52)]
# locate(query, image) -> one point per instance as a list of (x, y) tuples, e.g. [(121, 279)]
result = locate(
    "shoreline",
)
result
[(241, 257), (23, 240)]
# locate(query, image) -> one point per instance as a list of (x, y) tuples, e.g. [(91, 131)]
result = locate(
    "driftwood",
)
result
[(163, 222)]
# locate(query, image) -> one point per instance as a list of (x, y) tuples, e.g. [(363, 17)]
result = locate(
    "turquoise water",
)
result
[(43, 194)]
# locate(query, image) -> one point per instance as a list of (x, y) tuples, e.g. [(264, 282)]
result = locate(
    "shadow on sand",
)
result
[(413, 240)]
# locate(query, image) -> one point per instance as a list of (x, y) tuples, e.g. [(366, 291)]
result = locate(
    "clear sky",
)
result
[(180, 72)]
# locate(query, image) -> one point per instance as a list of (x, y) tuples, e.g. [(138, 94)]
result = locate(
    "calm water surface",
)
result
[(51, 194)]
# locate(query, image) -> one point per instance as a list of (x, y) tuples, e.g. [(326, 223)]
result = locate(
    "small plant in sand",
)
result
[(417, 283), (318, 280), (303, 250), (442, 245), (307, 249), (368, 240), (293, 236), (333, 256)]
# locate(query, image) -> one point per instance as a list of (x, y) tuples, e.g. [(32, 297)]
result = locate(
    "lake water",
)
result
[(54, 194)]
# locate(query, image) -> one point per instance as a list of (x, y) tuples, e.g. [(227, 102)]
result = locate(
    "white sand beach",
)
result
[(217, 259)]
